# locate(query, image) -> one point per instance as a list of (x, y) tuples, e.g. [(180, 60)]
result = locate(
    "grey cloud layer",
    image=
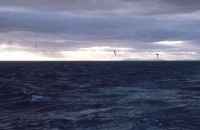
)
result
[(87, 22), (132, 6), (127, 28)]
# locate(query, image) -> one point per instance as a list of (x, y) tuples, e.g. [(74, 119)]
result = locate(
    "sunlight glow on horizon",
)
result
[(96, 53)]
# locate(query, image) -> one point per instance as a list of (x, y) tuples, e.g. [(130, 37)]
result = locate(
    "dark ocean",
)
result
[(100, 95)]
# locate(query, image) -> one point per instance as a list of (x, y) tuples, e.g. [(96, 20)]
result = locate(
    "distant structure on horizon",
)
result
[(157, 56), (115, 52)]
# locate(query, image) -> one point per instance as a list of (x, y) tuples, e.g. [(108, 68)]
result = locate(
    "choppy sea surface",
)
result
[(100, 96)]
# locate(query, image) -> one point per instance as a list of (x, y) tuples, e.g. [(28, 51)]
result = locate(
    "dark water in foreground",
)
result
[(100, 96)]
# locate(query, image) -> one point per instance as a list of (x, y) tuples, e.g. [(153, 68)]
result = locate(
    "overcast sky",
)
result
[(92, 29)]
